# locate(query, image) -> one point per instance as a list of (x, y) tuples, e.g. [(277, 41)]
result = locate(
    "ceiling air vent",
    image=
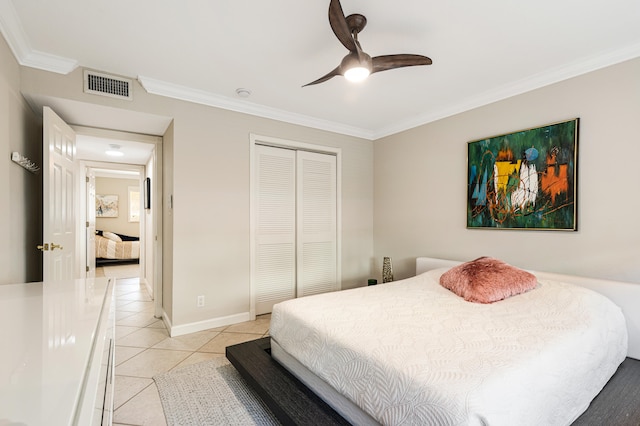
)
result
[(107, 85)]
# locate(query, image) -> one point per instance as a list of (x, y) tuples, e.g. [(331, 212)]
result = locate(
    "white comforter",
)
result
[(412, 352)]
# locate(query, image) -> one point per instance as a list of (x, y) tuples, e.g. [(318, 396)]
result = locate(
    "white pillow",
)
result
[(111, 236)]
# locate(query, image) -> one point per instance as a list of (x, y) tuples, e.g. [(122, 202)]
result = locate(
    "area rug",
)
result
[(210, 393)]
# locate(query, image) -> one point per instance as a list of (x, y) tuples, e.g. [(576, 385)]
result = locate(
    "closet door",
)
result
[(275, 226), (316, 241)]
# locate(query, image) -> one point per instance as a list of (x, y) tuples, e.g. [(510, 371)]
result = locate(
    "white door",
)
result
[(275, 228), (316, 224), (90, 234), (59, 202)]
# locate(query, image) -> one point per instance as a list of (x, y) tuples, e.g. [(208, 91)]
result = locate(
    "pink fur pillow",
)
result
[(487, 280)]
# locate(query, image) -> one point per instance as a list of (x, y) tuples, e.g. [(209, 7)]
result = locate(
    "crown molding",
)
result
[(18, 42), (47, 62), (163, 88), (519, 87)]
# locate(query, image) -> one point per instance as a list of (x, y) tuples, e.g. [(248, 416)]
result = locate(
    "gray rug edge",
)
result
[(210, 392)]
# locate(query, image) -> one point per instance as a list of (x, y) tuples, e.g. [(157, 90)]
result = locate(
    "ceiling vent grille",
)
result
[(107, 85)]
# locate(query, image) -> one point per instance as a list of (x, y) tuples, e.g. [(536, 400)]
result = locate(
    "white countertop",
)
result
[(47, 332)]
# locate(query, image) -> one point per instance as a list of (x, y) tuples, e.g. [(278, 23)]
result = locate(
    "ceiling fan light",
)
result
[(357, 74)]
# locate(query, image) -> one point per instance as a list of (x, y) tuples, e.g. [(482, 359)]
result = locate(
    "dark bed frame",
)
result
[(290, 401), (100, 261), (294, 404)]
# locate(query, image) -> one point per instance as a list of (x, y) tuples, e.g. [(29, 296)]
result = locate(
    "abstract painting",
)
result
[(106, 205), (524, 180)]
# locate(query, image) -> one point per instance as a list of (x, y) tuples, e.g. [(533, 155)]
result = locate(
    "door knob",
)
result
[(43, 247), (55, 246)]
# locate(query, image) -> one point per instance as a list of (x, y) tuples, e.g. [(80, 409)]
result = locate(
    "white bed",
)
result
[(108, 250), (441, 360)]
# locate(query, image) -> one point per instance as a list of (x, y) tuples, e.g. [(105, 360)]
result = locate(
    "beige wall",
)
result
[(211, 204), (420, 182), (20, 190), (206, 169), (120, 224)]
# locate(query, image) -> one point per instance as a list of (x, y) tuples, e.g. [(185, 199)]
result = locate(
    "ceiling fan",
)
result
[(357, 65)]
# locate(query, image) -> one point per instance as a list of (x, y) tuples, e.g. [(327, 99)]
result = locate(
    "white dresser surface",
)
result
[(47, 333)]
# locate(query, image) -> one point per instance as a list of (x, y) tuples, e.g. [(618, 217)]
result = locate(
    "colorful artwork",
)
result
[(524, 180)]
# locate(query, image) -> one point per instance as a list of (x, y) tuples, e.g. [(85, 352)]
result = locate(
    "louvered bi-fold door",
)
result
[(295, 225), (275, 227), (316, 223)]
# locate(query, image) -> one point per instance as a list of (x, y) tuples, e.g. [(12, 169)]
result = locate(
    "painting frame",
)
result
[(525, 180), (106, 206)]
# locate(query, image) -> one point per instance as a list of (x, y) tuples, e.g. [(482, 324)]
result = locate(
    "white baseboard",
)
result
[(194, 327)]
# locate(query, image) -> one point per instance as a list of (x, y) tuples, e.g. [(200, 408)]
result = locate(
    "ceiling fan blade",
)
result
[(339, 25), (329, 76), (388, 62)]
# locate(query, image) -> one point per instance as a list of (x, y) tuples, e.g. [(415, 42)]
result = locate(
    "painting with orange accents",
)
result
[(525, 179)]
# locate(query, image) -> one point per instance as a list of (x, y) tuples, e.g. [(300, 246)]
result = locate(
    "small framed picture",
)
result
[(106, 205)]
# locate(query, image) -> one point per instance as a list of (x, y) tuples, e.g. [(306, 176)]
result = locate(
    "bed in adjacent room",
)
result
[(415, 352), (116, 249)]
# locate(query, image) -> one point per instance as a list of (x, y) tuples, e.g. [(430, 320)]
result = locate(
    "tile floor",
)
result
[(144, 349)]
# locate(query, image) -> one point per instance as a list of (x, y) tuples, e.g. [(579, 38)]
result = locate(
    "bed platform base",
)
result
[(290, 401), (294, 404)]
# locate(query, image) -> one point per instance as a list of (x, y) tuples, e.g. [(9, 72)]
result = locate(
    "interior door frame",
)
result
[(84, 203), (255, 139), (87, 199), (153, 242)]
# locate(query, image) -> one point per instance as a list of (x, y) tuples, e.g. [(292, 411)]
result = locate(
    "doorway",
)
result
[(144, 128), (130, 182), (115, 232)]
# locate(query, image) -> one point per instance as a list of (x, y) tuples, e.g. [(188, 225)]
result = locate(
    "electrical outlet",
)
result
[(200, 301)]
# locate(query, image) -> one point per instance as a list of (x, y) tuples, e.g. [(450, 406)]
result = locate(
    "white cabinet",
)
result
[(96, 403), (56, 364)]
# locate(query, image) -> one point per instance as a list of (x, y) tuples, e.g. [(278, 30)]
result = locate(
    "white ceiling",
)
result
[(204, 50), (94, 148)]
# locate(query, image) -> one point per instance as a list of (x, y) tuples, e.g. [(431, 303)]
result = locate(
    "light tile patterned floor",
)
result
[(144, 349)]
